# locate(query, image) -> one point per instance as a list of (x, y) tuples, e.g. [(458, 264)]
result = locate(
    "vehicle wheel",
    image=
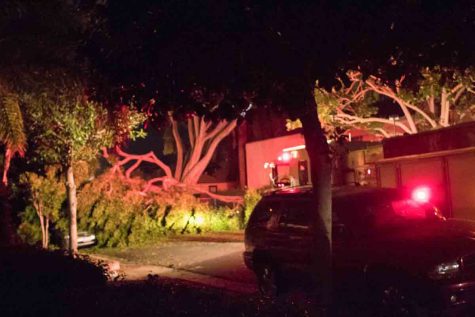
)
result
[(267, 279)]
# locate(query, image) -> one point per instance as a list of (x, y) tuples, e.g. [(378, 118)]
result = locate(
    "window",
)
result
[(296, 213), (263, 212)]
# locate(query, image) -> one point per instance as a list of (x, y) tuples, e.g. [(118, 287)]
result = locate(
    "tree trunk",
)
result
[(320, 168), (242, 140), (72, 206), (47, 232), (39, 212), (6, 166)]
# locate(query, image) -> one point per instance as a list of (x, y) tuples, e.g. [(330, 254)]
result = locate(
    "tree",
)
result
[(12, 132), (64, 126), (47, 193), (438, 97), (192, 157), (44, 61)]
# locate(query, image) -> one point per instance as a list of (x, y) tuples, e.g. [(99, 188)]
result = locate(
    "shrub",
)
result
[(251, 198)]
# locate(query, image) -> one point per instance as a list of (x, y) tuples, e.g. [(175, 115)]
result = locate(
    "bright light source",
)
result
[(294, 154), (286, 157), (199, 220), (368, 171), (294, 148), (266, 165), (421, 194)]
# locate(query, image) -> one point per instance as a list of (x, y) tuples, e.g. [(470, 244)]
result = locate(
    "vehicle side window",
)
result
[(296, 213), (263, 212), (354, 214)]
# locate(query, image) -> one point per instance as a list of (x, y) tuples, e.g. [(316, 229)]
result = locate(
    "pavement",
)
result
[(215, 264)]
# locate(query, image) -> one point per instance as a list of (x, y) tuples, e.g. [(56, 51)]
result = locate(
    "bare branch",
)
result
[(196, 126), (404, 105), (197, 170), (132, 168), (385, 133), (219, 127), (191, 136), (148, 157), (179, 147), (350, 119)]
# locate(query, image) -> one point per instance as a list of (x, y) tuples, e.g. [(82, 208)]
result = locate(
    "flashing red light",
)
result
[(421, 194)]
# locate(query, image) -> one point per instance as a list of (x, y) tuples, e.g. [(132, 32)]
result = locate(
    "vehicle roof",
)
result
[(345, 191)]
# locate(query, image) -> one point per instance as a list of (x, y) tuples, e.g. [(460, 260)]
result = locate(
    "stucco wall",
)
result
[(260, 152)]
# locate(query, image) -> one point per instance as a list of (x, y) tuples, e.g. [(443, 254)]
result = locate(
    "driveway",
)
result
[(217, 264)]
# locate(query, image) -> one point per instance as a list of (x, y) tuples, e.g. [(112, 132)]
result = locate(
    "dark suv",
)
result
[(387, 247)]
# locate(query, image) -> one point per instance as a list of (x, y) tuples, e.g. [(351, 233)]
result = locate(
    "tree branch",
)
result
[(194, 173), (388, 92), (148, 157), (179, 147), (191, 136), (350, 119)]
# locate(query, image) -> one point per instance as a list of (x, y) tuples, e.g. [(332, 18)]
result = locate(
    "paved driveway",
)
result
[(218, 264)]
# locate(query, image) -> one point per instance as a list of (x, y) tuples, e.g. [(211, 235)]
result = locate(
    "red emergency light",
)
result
[(421, 194)]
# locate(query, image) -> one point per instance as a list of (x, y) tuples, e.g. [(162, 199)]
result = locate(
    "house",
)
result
[(283, 161)]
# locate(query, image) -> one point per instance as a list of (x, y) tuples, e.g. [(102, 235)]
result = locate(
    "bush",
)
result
[(118, 222), (251, 198)]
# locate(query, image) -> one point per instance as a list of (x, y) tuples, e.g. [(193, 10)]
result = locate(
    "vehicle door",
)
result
[(263, 224), (352, 225), (293, 239)]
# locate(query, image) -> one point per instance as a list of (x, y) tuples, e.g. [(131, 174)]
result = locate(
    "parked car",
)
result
[(85, 239), (388, 247)]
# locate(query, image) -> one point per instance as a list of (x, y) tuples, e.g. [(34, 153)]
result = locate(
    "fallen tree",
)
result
[(204, 137)]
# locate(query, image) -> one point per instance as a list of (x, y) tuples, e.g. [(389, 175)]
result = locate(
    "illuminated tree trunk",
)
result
[(72, 207), (320, 168), (44, 221), (6, 166)]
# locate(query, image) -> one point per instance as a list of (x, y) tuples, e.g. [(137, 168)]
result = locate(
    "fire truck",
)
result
[(440, 163)]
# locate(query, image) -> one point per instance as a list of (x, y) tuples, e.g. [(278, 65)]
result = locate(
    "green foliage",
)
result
[(119, 216), (29, 229), (11, 123), (46, 192), (251, 198)]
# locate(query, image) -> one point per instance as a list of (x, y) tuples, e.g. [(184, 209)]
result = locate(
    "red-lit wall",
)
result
[(260, 152)]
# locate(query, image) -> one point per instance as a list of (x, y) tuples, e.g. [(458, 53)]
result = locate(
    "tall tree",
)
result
[(65, 126), (12, 132)]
